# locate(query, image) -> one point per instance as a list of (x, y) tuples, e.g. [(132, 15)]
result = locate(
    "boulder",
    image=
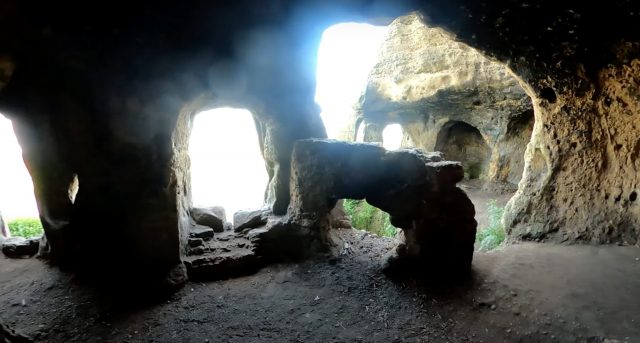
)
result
[(16, 247), (417, 189), (218, 211), (213, 217), (249, 219)]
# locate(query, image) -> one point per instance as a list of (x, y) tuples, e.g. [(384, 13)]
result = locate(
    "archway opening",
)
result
[(392, 137), (367, 217), (227, 167), (462, 142), (19, 214)]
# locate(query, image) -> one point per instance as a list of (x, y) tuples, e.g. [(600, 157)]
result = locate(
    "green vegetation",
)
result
[(25, 227), (492, 236), (366, 217)]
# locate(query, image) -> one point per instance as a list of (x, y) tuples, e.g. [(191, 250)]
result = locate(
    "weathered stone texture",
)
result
[(582, 176), (418, 191), (425, 80)]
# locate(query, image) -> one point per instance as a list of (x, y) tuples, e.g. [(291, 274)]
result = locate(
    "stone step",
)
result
[(227, 255)]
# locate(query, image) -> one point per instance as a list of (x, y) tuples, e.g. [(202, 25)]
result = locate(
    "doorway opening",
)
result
[(227, 167), (19, 214), (462, 142)]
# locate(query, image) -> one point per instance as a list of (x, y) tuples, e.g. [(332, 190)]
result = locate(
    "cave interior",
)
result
[(535, 103)]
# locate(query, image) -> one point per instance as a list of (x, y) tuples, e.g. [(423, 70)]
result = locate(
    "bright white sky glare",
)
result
[(227, 168), (16, 188), (346, 55), (392, 137)]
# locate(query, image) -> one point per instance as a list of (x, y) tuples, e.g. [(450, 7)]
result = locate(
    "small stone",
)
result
[(493, 307)]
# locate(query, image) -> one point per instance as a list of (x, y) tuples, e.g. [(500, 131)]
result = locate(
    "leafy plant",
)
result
[(366, 217), (493, 235), (25, 227)]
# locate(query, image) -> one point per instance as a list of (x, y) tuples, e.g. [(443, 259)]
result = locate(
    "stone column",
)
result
[(4, 230)]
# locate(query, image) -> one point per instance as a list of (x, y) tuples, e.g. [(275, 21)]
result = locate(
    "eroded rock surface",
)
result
[(417, 189), (228, 254), (582, 175), (427, 81)]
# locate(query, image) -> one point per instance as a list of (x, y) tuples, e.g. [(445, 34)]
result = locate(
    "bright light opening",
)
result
[(17, 199), (346, 55), (360, 133), (392, 137), (227, 168)]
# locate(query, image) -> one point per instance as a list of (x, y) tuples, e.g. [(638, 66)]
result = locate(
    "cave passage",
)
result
[(462, 142), (17, 199), (227, 168), (346, 55), (367, 217)]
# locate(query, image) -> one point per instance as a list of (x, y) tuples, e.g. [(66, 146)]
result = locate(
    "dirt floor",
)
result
[(528, 292)]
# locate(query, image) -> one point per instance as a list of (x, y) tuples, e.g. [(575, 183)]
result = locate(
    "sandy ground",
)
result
[(530, 292)]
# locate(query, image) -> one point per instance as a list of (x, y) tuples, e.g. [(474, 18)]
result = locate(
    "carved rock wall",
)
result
[(104, 91), (582, 173), (426, 81)]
